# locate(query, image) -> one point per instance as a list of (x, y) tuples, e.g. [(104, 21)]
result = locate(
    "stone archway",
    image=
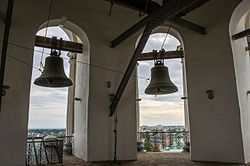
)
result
[(77, 114)]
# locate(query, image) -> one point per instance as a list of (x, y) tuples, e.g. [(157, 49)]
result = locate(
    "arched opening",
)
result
[(163, 123), (70, 104), (48, 106), (240, 22)]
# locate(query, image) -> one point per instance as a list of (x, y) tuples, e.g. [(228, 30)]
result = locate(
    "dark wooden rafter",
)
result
[(5, 45), (161, 14), (189, 25), (143, 40), (65, 45), (166, 55), (191, 8), (153, 20), (143, 6), (242, 34)]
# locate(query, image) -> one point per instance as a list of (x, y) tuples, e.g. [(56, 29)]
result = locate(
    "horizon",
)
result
[(140, 126)]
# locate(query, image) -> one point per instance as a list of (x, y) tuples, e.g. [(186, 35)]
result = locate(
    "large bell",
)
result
[(160, 82), (53, 74)]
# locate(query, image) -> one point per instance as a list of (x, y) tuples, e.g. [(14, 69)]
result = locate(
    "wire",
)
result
[(111, 7), (27, 64), (164, 41), (46, 32), (85, 63)]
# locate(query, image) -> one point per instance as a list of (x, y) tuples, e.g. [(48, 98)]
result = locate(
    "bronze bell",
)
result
[(53, 74), (160, 82)]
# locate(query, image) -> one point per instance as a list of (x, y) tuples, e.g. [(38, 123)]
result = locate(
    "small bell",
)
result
[(53, 74), (160, 82)]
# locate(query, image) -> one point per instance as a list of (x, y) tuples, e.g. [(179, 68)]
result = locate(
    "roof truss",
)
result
[(155, 19)]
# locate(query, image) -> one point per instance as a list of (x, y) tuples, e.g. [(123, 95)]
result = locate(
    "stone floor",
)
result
[(147, 159)]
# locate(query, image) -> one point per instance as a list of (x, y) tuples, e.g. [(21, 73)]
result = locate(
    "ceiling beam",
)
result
[(130, 69), (166, 55), (63, 45), (189, 25), (145, 6), (156, 19), (191, 8), (160, 13)]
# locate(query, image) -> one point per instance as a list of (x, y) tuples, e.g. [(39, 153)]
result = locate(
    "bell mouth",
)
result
[(161, 89), (53, 82), (53, 74)]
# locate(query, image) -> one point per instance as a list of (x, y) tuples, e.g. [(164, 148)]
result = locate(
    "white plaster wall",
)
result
[(239, 21), (214, 124), (15, 105), (71, 98), (80, 148), (185, 95), (99, 107)]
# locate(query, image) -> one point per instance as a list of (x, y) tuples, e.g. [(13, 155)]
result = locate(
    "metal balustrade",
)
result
[(163, 141), (40, 152)]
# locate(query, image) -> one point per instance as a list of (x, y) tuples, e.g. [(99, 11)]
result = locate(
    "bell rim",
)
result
[(171, 89), (66, 83)]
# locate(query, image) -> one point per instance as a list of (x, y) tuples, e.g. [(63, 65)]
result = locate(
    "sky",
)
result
[(48, 106)]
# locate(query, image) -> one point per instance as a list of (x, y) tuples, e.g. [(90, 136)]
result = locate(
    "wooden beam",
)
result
[(65, 45), (156, 20), (130, 69), (242, 34), (191, 8), (178, 21), (166, 55), (189, 25), (159, 14), (140, 6)]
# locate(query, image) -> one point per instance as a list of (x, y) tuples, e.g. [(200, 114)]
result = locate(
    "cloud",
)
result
[(164, 113)]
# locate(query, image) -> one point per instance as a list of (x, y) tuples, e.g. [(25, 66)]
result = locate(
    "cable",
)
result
[(166, 37), (170, 25), (46, 32), (92, 65), (27, 64)]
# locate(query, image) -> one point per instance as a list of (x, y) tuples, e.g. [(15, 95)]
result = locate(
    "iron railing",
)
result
[(40, 151), (163, 141)]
